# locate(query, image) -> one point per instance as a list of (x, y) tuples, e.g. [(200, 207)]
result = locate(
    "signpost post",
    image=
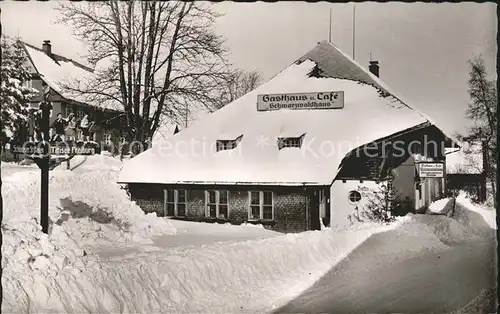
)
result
[(43, 164), (44, 161)]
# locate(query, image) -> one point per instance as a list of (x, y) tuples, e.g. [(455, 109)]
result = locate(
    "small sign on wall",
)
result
[(301, 101), (431, 170)]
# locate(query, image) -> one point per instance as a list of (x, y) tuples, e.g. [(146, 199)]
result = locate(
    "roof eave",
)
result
[(225, 183)]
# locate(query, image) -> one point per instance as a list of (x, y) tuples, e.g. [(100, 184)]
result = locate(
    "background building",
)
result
[(47, 67)]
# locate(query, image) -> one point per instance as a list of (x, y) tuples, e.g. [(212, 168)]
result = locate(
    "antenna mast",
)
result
[(330, 27), (353, 31)]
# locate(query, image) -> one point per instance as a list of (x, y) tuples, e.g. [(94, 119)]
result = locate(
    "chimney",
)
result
[(374, 68), (46, 47)]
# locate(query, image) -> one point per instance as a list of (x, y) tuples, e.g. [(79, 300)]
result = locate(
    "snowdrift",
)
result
[(441, 206), (87, 196), (85, 210), (481, 220), (464, 220), (446, 230), (245, 276), (224, 277)]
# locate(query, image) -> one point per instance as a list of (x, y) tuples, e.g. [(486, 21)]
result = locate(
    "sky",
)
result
[(422, 48)]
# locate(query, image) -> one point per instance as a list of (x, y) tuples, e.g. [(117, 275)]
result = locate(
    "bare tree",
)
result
[(237, 84), (151, 58), (482, 110)]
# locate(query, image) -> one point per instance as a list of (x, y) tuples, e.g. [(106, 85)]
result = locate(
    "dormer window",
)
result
[(228, 144), (295, 142)]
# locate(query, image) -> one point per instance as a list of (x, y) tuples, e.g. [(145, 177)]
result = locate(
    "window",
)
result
[(217, 204), (79, 112), (175, 203), (354, 197), (261, 205), (290, 141), (228, 144), (28, 83), (108, 139), (419, 189)]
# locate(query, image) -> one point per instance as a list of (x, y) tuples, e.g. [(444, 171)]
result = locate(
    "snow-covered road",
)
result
[(441, 281)]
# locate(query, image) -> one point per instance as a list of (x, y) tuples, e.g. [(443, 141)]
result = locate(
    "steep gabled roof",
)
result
[(331, 62), (371, 112), (58, 58), (56, 71)]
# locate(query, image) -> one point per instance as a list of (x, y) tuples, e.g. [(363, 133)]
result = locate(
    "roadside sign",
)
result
[(431, 170)]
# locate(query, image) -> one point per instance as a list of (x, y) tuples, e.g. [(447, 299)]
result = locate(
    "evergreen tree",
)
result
[(14, 93), (381, 203)]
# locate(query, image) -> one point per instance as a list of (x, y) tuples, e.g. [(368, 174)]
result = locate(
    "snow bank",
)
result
[(468, 222), (88, 194), (223, 277), (447, 230), (440, 206), (83, 164), (86, 209), (481, 220)]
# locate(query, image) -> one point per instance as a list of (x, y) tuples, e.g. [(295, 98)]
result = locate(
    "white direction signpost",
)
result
[(431, 170)]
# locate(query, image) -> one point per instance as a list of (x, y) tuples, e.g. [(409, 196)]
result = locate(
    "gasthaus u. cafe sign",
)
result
[(301, 101)]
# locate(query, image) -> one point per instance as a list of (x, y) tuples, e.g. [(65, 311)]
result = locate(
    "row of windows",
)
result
[(260, 205), (283, 142)]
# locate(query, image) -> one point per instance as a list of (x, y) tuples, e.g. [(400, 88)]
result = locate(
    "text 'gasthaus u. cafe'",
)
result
[(301, 151)]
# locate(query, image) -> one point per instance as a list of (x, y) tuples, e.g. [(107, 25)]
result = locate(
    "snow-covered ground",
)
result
[(9, 168), (104, 255)]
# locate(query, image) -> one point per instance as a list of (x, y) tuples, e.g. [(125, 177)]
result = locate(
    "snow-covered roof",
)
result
[(467, 160), (370, 112), (58, 71), (167, 130)]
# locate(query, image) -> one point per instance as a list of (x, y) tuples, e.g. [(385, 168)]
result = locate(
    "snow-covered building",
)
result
[(164, 132), (49, 68), (300, 150)]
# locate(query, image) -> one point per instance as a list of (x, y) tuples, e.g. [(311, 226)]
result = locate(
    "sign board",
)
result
[(35, 150), (431, 170), (301, 101)]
